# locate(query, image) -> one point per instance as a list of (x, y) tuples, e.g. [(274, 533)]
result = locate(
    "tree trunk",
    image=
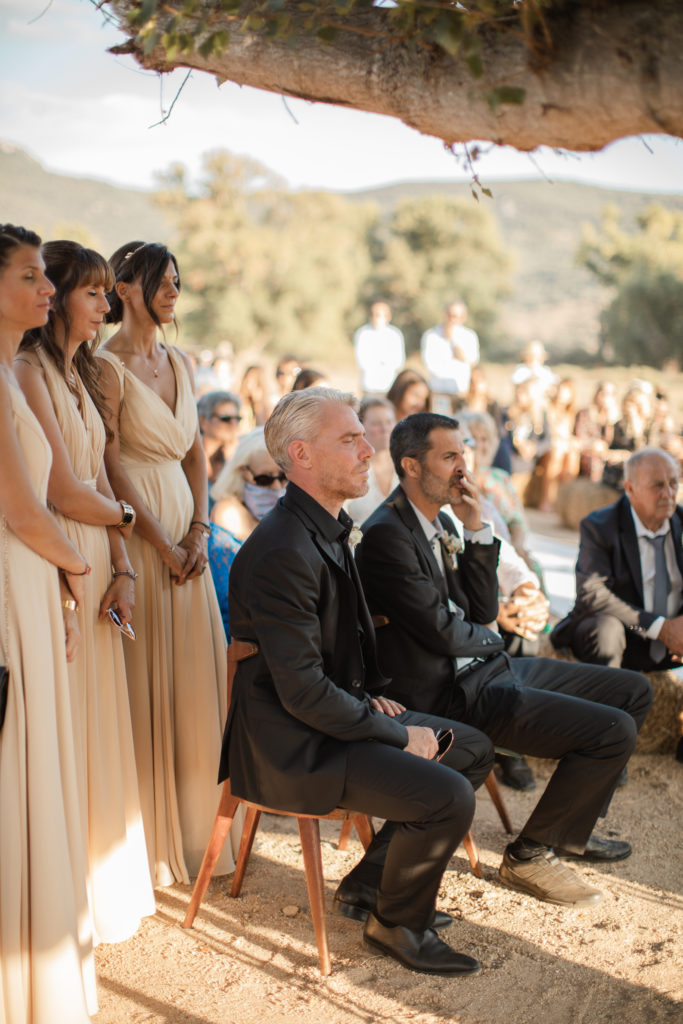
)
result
[(611, 68)]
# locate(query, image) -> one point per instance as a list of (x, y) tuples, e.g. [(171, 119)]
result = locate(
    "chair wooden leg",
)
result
[(251, 820), (364, 829), (344, 835), (473, 854), (309, 831), (494, 793), (219, 833)]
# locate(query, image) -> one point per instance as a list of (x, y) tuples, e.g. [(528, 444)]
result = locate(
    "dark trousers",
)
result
[(584, 716), (604, 640), (429, 806)]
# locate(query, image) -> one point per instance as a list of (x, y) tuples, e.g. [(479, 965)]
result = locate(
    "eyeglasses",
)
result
[(288, 373), (227, 419), (267, 479)]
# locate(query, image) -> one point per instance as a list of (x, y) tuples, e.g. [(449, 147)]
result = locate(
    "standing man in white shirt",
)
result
[(449, 351), (629, 573), (380, 351)]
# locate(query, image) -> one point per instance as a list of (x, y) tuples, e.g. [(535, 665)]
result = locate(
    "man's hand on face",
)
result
[(468, 507)]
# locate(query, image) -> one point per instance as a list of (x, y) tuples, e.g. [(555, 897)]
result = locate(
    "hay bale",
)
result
[(662, 729), (663, 726), (577, 498)]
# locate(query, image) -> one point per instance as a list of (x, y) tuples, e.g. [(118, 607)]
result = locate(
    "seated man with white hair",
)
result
[(629, 573)]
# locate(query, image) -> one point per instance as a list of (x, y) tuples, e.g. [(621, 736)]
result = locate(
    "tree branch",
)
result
[(603, 69)]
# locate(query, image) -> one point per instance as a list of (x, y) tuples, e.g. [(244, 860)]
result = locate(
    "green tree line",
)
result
[(263, 266)]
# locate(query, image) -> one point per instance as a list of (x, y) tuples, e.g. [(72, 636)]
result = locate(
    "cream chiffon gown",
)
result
[(119, 885), (46, 967), (177, 667)]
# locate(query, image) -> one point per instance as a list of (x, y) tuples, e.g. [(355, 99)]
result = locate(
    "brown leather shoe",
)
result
[(545, 877)]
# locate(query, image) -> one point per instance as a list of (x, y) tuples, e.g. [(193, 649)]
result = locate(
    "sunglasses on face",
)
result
[(267, 479), (227, 419)]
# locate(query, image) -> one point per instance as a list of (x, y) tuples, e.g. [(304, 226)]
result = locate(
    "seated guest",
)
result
[(219, 424), (409, 393), (594, 429), (496, 485), (248, 486), (309, 728), (527, 430), (440, 594), (309, 378), (632, 431), (564, 458), (377, 416), (629, 573)]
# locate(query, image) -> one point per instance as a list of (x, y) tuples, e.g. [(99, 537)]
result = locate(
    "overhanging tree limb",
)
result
[(578, 75)]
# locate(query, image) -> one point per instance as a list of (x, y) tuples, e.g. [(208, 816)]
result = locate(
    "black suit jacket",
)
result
[(402, 580), (298, 703), (609, 579)]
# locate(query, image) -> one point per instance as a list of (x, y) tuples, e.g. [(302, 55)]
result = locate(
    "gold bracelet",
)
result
[(69, 603)]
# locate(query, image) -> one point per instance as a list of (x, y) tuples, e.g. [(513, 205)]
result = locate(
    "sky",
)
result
[(81, 111)]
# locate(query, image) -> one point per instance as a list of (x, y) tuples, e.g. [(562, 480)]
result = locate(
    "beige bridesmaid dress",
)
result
[(47, 971), (119, 886), (177, 667)]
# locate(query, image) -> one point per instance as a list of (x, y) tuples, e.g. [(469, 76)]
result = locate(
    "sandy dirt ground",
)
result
[(254, 959)]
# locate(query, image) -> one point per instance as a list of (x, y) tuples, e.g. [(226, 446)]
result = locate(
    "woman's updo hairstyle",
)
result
[(12, 237), (143, 261)]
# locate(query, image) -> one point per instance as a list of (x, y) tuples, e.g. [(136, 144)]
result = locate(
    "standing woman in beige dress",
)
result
[(177, 666), (46, 966), (59, 376)]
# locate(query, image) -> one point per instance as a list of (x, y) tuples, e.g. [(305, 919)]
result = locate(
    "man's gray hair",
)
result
[(634, 461), (297, 416)]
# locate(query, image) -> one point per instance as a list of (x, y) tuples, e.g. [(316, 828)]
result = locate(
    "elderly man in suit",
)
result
[(309, 727), (444, 656), (629, 573)]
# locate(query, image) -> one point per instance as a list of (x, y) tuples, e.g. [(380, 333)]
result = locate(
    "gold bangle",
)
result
[(69, 603)]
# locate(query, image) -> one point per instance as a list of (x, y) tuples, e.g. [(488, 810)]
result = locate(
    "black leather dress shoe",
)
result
[(600, 850), (420, 951), (355, 900), (515, 773)]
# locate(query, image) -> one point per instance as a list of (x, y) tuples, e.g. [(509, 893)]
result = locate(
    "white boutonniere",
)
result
[(355, 537), (454, 546)]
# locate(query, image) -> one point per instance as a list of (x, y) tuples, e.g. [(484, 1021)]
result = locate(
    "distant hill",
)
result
[(54, 204), (553, 299)]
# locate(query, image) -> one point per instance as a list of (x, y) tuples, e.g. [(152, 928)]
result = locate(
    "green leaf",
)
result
[(151, 41), (327, 34), (447, 32), (475, 65), (505, 94)]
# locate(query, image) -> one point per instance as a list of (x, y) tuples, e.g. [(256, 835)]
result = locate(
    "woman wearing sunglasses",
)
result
[(247, 487), (59, 376), (177, 666)]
